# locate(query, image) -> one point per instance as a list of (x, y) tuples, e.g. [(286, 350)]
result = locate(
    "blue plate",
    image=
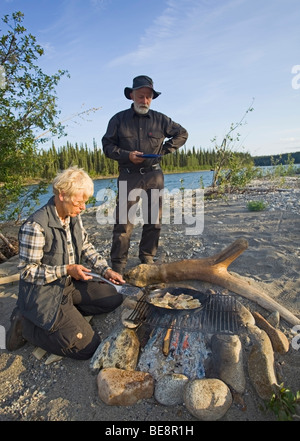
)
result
[(149, 155)]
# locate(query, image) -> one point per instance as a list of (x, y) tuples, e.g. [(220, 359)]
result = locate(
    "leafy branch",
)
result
[(224, 153), (284, 403), (71, 117)]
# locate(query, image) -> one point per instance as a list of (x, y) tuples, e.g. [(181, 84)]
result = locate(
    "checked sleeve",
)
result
[(31, 244)]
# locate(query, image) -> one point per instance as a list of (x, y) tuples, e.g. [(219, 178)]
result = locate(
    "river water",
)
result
[(173, 181), (190, 180)]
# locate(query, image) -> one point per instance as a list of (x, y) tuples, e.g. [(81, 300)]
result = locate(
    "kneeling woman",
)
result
[(55, 292)]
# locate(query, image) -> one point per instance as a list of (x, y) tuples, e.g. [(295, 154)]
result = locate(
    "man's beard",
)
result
[(142, 109)]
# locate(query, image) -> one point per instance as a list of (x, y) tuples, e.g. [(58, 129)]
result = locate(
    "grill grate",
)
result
[(219, 315)]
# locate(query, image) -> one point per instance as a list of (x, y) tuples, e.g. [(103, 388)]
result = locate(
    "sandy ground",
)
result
[(67, 390)]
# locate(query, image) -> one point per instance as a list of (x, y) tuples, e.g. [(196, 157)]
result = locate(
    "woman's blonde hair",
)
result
[(72, 180)]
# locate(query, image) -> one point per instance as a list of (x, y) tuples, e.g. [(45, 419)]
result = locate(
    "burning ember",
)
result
[(186, 355), (175, 341)]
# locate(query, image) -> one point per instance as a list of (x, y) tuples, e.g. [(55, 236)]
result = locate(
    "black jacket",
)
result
[(129, 131)]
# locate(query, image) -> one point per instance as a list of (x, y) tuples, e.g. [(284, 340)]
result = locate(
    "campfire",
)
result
[(174, 340), (197, 356), (177, 341)]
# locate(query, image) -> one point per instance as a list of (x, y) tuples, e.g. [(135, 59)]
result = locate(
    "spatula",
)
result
[(125, 289)]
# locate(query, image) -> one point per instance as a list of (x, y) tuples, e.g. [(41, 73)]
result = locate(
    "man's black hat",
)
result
[(138, 83)]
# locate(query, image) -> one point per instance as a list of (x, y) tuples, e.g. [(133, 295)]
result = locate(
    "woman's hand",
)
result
[(114, 277), (78, 272)]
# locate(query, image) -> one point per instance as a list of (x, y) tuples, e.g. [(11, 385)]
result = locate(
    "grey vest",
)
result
[(40, 303)]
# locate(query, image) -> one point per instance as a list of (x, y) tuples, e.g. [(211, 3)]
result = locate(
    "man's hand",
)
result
[(114, 277), (136, 159)]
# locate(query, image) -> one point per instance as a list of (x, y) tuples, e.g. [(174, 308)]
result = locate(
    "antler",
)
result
[(213, 270)]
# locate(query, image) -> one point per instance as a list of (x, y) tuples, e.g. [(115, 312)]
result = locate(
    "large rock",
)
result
[(207, 399), (279, 341), (244, 315), (261, 363), (227, 358), (119, 350), (118, 387), (170, 388)]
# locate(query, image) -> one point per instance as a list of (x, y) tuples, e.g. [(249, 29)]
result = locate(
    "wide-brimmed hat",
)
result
[(138, 83)]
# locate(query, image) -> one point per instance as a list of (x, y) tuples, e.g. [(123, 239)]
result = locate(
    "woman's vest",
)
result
[(40, 303)]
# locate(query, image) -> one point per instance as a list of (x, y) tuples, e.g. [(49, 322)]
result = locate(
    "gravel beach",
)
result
[(66, 390)]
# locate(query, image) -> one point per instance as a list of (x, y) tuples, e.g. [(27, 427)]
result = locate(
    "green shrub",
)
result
[(256, 205), (284, 403)]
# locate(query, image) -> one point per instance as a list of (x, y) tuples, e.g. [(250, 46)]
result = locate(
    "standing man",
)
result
[(131, 134)]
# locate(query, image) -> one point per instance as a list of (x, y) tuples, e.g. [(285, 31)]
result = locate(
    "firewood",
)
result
[(7, 242), (2, 257), (9, 279)]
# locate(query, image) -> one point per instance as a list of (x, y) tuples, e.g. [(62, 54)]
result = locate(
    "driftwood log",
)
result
[(11, 250), (213, 270), (9, 279)]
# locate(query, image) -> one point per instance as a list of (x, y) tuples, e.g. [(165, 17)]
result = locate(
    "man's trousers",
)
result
[(132, 187)]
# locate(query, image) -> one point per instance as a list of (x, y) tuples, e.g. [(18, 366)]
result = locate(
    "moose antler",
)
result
[(211, 269)]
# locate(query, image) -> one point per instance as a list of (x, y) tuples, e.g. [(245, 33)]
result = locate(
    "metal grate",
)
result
[(219, 315)]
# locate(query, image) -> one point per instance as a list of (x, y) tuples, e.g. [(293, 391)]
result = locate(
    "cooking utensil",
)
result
[(125, 289)]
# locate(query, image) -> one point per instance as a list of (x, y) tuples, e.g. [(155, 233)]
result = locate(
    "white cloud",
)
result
[(289, 140)]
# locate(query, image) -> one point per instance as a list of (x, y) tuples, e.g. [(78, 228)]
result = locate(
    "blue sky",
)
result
[(209, 58)]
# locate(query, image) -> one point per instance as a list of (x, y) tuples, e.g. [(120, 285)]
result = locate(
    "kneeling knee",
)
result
[(83, 348)]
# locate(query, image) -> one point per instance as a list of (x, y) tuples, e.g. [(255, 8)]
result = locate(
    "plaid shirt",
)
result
[(31, 244)]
